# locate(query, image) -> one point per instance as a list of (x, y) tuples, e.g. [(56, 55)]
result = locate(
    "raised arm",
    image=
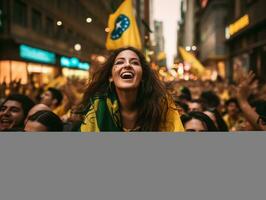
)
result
[(243, 90)]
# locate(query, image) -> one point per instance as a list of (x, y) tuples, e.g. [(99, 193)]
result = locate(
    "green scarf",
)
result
[(103, 114)]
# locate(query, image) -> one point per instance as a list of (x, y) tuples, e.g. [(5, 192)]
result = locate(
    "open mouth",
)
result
[(5, 122), (127, 75)]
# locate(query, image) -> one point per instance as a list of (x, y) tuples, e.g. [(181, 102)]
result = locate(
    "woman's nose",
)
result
[(127, 64)]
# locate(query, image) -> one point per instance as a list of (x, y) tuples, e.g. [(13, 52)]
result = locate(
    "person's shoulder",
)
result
[(225, 117), (173, 122)]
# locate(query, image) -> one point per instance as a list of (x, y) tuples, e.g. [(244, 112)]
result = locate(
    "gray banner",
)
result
[(140, 166)]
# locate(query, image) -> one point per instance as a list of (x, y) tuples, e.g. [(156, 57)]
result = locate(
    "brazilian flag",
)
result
[(123, 28)]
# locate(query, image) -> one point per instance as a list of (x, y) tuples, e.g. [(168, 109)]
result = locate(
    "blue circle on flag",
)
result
[(122, 23)]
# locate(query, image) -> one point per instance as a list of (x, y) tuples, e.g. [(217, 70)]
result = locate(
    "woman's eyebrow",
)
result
[(122, 58), (134, 59)]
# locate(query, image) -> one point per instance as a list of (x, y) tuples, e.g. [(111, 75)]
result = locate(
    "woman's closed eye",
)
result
[(135, 63), (119, 62)]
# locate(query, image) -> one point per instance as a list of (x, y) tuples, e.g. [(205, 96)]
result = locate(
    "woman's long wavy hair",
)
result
[(152, 99), (205, 120)]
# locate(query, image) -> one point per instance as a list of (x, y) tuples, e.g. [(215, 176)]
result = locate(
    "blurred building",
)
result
[(159, 43), (201, 32), (187, 24), (181, 23), (144, 17), (188, 30), (44, 38), (229, 35), (246, 37), (212, 17), (158, 35), (139, 11)]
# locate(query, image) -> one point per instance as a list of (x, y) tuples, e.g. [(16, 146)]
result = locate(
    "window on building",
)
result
[(68, 7), (62, 5), (250, 2), (36, 20), (74, 6), (51, 3), (49, 26), (60, 32), (20, 13), (59, 4), (1, 16), (70, 36)]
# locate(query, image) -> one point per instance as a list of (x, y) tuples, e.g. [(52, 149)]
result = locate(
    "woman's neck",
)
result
[(128, 108), (127, 100)]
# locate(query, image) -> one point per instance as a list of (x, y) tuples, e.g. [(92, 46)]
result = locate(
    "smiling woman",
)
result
[(125, 94)]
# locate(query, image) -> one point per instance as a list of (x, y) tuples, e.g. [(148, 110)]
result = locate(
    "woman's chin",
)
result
[(127, 86)]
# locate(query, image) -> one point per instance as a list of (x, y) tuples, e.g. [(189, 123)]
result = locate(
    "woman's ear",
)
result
[(111, 79)]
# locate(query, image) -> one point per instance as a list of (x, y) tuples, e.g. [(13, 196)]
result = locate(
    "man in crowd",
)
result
[(13, 112), (52, 98), (36, 108), (195, 105), (233, 116)]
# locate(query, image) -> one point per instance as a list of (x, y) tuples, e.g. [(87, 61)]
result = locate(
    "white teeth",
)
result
[(127, 75), (5, 121)]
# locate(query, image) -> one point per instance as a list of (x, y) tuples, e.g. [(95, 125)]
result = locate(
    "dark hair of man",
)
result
[(210, 99), (260, 107), (185, 92), (152, 96), (219, 120), (232, 100), (48, 119), (196, 101), (201, 117), (25, 101), (57, 94), (184, 106)]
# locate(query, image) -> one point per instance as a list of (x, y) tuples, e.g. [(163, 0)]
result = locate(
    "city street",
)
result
[(213, 73)]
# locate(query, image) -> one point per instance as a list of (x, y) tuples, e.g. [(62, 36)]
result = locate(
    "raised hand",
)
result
[(246, 86)]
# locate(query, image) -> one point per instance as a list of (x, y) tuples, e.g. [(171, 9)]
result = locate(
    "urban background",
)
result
[(59, 43), (39, 38)]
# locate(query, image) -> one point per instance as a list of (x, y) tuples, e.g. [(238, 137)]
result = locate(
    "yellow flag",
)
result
[(123, 28), (196, 66), (57, 82)]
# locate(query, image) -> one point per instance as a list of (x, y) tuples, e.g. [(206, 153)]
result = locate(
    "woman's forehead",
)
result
[(127, 54)]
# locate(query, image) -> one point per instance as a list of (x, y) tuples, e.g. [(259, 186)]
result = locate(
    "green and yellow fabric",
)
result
[(104, 115)]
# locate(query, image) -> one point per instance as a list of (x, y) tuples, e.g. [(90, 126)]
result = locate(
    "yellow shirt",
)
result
[(173, 121)]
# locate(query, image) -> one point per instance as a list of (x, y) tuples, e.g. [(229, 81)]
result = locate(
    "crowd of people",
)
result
[(126, 94)]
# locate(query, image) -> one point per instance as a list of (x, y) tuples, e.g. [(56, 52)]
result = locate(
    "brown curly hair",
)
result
[(152, 98)]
